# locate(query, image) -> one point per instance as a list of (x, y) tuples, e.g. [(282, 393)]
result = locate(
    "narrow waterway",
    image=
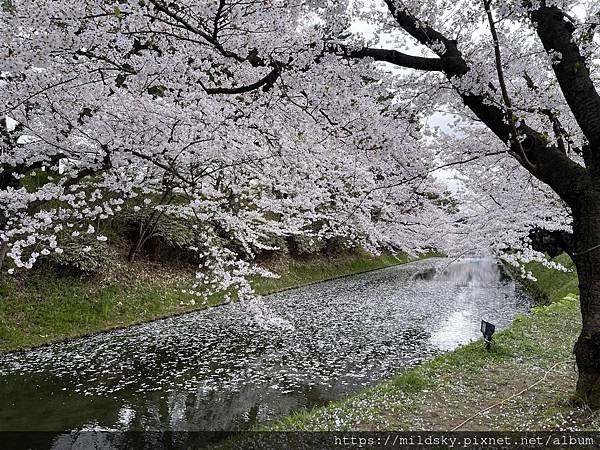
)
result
[(232, 367)]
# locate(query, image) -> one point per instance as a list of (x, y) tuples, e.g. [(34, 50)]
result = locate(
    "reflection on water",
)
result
[(221, 369)]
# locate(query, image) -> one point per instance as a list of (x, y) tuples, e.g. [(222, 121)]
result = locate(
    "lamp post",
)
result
[(487, 329)]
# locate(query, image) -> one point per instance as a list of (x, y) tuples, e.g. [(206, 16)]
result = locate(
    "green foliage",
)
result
[(279, 242), (35, 180), (308, 244), (86, 255), (157, 91), (176, 231), (8, 6)]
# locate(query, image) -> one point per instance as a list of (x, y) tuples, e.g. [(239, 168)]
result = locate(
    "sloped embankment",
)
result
[(44, 306)]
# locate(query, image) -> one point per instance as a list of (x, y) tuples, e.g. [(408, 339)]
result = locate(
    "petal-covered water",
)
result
[(234, 366)]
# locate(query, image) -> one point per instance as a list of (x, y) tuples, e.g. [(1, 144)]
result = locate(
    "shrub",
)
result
[(87, 256), (308, 244)]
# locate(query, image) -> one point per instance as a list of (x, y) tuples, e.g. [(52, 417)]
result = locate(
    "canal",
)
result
[(239, 365)]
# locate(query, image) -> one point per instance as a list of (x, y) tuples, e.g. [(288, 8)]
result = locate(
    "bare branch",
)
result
[(507, 101), (397, 58)]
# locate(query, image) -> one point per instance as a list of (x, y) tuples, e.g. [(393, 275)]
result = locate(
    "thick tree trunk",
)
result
[(586, 227)]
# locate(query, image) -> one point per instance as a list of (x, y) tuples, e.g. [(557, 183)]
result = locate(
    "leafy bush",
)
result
[(176, 231), (150, 228), (309, 244), (84, 255), (278, 242)]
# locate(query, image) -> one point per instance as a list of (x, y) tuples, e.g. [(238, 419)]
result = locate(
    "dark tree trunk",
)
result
[(133, 251), (586, 227), (3, 244), (3, 251)]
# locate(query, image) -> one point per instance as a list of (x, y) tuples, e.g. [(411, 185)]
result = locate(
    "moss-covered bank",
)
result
[(444, 392)]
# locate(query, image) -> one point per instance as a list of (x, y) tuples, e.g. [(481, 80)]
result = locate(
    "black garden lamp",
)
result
[(487, 329)]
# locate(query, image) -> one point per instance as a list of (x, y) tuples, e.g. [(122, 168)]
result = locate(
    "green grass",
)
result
[(44, 307), (441, 393), (297, 273), (411, 382), (551, 285)]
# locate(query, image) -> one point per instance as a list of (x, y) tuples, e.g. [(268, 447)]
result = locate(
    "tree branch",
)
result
[(397, 58), (421, 31), (266, 83), (211, 37), (507, 101), (553, 167), (551, 242), (593, 26)]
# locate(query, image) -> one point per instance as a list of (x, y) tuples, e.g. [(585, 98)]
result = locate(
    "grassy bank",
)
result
[(444, 392), (551, 285), (44, 307)]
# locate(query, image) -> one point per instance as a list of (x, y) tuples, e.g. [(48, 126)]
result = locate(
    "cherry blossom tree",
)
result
[(131, 103), (286, 115)]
